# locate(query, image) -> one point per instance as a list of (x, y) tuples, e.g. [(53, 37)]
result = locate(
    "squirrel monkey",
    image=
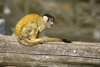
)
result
[(31, 26)]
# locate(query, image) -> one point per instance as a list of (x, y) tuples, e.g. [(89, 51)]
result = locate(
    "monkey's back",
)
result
[(25, 21)]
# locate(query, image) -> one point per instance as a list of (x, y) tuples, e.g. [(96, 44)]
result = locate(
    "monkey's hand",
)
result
[(66, 41)]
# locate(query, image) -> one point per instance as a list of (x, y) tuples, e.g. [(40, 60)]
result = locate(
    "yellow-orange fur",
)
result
[(25, 21), (30, 27)]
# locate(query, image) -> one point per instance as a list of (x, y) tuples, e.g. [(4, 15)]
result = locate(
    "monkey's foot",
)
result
[(38, 39), (35, 39)]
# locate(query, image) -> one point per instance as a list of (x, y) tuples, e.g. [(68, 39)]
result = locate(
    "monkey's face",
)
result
[(50, 23)]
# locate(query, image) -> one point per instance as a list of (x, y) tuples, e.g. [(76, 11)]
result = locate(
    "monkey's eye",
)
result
[(51, 21)]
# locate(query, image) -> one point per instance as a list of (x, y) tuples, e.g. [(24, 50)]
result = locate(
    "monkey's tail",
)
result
[(22, 42), (29, 42)]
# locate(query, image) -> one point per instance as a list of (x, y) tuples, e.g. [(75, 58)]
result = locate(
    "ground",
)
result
[(49, 54)]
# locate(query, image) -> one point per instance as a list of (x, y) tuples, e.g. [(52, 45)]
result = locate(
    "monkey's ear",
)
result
[(45, 18)]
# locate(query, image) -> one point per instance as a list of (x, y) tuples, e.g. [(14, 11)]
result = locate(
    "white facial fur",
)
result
[(49, 24), (45, 18)]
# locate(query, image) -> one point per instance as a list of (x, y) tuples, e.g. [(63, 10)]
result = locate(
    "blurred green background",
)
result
[(76, 20)]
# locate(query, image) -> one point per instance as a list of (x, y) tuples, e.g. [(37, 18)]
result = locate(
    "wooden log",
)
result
[(49, 54)]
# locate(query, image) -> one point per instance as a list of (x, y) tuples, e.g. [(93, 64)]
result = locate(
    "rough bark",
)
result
[(49, 54)]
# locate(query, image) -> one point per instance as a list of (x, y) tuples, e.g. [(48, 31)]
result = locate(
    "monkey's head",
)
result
[(49, 19)]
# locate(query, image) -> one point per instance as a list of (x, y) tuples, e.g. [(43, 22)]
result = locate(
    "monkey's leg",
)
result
[(34, 36)]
